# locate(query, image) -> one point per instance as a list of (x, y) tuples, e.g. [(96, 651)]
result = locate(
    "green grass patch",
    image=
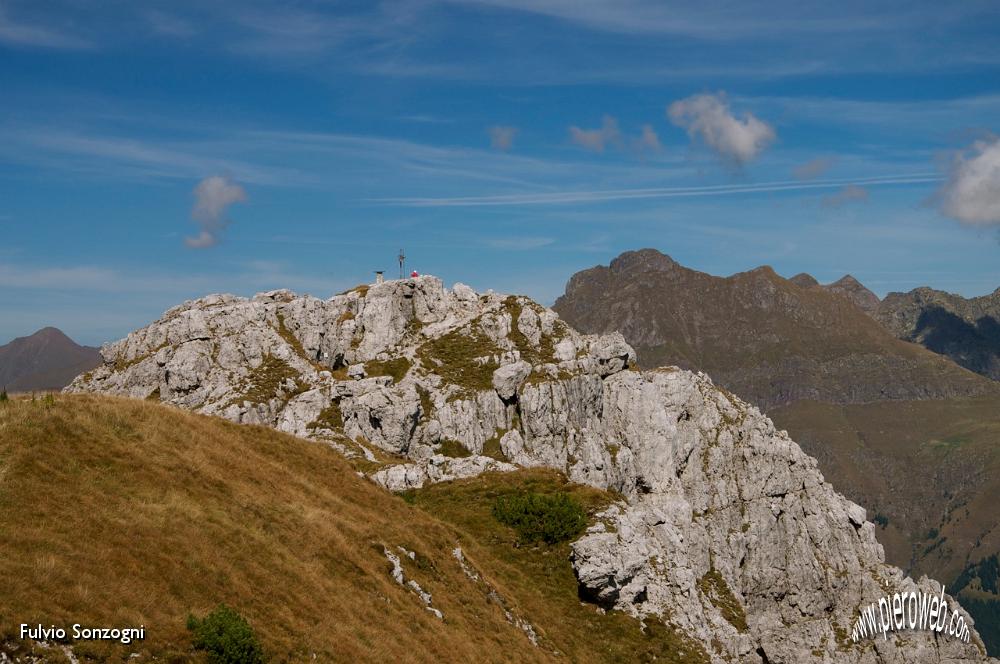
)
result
[(713, 586), (453, 448), (463, 357), (226, 637), (540, 579), (426, 403), (397, 368), (331, 418), (544, 352), (492, 449), (296, 345), (539, 517), (266, 382)]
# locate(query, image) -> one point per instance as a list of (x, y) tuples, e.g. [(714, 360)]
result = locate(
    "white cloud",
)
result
[(597, 139), (502, 137), (609, 134), (813, 168), (972, 193), (708, 116), (648, 140), (213, 196), (852, 193)]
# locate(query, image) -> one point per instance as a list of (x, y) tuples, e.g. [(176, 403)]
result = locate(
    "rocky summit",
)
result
[(724, 529), (965, 330)]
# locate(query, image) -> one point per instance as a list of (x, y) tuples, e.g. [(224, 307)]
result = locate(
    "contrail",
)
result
[(563, 197)]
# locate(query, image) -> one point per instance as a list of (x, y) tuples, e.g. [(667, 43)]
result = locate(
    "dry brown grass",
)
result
[(538, 579), (122, 512)]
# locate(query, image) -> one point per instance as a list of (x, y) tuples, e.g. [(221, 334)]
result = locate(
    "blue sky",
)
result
[(155, 152)]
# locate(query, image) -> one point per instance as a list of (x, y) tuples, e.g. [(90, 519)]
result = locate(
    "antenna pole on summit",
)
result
[(402, 260)]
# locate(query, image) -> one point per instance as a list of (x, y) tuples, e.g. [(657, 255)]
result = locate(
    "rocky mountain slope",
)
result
[(965, 330), (725, 529), (771, 340), (46, 360), (910, 437)]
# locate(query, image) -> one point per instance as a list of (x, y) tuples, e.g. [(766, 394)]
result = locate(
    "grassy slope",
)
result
[(540, 578), (122, 512)]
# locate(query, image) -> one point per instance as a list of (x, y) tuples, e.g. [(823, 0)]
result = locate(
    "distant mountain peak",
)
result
[(856, 292), (804, 280), (44, 360), (642, 260)]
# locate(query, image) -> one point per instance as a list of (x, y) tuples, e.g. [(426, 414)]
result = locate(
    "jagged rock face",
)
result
[(403, 366), (725, 527), (965, 330)]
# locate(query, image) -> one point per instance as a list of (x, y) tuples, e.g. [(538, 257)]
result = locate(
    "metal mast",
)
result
[(402, 260)]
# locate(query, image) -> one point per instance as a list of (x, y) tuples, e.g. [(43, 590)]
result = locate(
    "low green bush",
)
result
[(226, 637), (537, 517)]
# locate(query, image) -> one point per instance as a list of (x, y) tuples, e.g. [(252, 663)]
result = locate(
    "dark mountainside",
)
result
[(902, 430), (46, 360), (965, 330), (766, 338)]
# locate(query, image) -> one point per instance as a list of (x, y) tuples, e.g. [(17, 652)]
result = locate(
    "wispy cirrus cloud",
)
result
[(609, 134), (520, 243), (598, 139), (745, 19), (851, 193), (130, 157), (502, 137), (595, 196), (171, 25), (34, 35), (813, 168)]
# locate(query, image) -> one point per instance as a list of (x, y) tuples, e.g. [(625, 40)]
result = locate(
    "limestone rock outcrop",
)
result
[(725, 528)]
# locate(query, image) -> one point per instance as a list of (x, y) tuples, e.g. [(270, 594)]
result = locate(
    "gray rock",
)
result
[(725, 528), (508, 378)]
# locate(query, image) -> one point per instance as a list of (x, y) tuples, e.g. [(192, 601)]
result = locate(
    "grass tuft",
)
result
[(462, 357), (267, 381), (453, 448), (397, 368), (713, 586)]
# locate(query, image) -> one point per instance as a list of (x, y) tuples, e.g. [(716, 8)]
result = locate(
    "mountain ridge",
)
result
[(419, 384), (966, 330), (768, 339)]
